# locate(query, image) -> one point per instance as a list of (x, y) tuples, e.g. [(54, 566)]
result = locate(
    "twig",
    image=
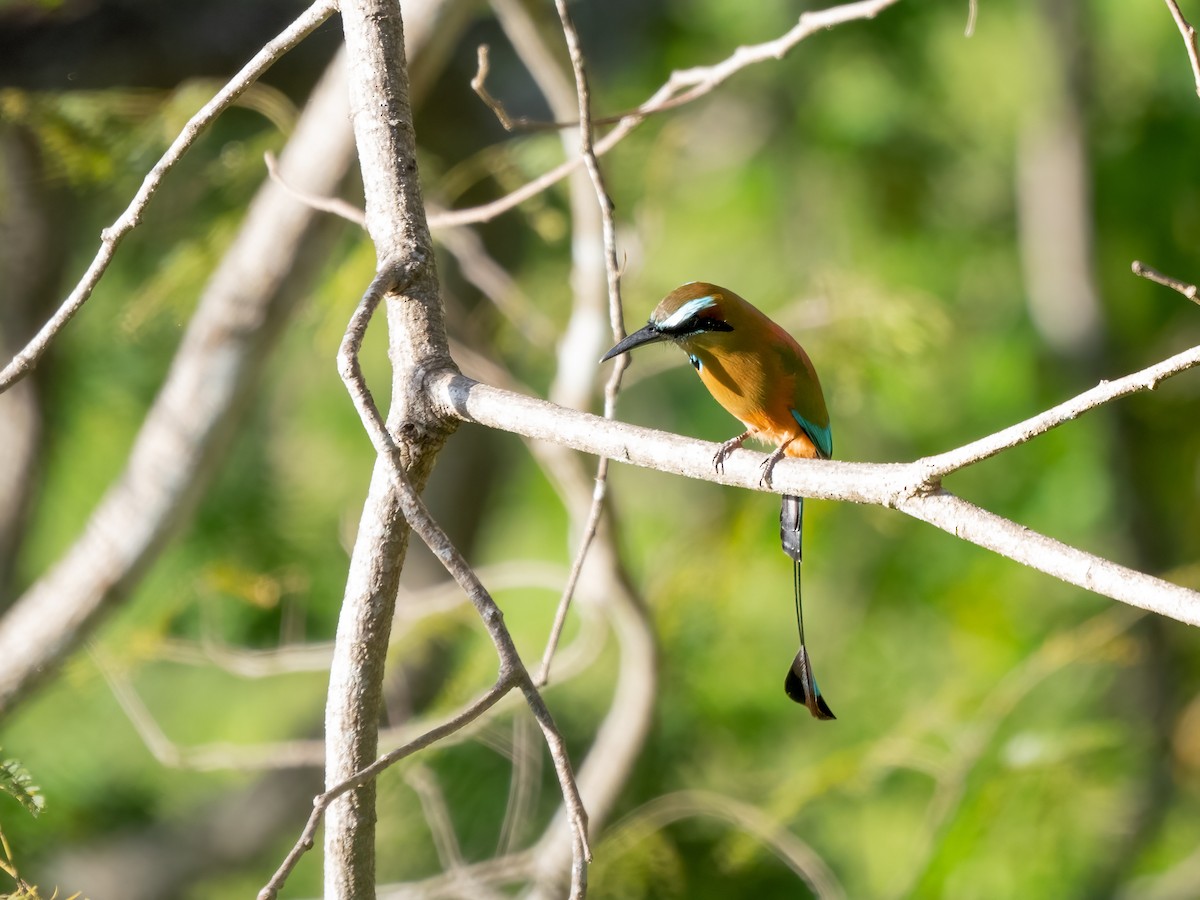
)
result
[(329, 204), (1189, 39), (1147, 379), (693, 83), (564, 603), (613, 277), (25, 360), (160, 746), (523, 786), (1188, 290), (503, 685), (501, 870), (479, 86), (605, 770), (972, 13), (299, 753), (462, 242)]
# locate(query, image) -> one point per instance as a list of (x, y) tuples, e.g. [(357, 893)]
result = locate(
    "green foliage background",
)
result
[(999, 734)]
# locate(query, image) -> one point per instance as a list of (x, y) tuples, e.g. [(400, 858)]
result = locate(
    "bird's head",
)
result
[(687, 313)]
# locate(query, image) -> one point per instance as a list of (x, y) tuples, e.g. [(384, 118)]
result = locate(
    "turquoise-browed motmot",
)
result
[(758, 372)]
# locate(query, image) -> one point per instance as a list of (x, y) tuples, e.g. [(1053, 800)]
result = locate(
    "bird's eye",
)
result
[(695, 362)]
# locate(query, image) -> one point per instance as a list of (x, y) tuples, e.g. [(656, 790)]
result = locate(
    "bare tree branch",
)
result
[(418, 517), (1188, 290), (605, 769), (396, 221), (24, 361), (682, 87), (1147, 379), (383, 128), (906, 487), (1189, 39), (367, 776), (267, 270)]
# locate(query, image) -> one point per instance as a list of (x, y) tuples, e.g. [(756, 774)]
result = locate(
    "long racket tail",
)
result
[(799, 683)]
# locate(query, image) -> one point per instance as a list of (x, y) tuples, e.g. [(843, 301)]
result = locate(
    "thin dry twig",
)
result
[(111, 237), (613, 277), (464, 245), (436, 811), (1189, 39), (479, 86), (322, 203), (321, 802), (1188, 290), (937, 467), (425, 785), (682, 87), (301, 753)]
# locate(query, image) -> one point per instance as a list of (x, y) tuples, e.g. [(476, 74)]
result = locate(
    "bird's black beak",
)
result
[(649, 334)]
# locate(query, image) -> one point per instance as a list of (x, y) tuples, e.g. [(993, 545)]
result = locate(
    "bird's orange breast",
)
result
[(760, 387)]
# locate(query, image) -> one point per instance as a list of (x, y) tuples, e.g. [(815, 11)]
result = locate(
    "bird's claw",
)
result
[(768, 465), (725, 449), (765, 478)]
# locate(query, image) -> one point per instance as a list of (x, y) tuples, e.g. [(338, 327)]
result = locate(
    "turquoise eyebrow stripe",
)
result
[(686, 311), (822, 438)]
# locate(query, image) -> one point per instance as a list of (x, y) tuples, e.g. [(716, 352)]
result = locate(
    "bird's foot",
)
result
[(726, 448), (768, 465)]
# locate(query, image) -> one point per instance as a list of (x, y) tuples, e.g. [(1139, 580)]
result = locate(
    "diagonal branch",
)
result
[(1188, 290), (682, 87), (1147, 379), (111, 237), (267, 270), (1189, 39), (321, 803)]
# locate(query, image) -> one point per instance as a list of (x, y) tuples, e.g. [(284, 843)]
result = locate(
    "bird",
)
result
[(764, 379)]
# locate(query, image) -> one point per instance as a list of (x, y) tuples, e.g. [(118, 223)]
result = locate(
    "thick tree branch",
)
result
[(419, 518), (407, 278), (906, 487), (383, 128), (24, 361)]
